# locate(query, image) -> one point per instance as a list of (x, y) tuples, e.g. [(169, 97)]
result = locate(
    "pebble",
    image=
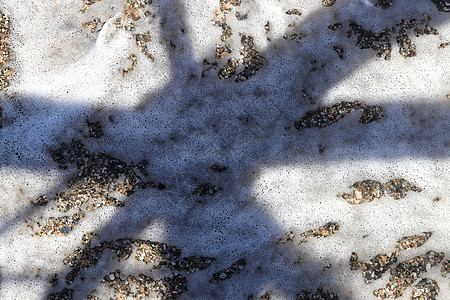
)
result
[(87, 238), (82, 259), (5, 23), (265, 296), (188, 264), (325, 116), (377, 266), (267, 27), (293, 36), (95, 129), (131, 12), (6, 73), (40, 201), (369, 190), (381, 42), (222, 50), (145, 251), (413, 241), (92, 25), (289, 236), (227, 32), (54, 280), (91, 295), (133, 60), (328, 3), (65, 294), (339, 50), (148, 251), (335, 26), (294, 11), (323, 231), (406, 273), (205, 189), (354, 262), (60, 225), (442, 5), (220, 17), (426, 289), (371, 114), (218, 168), (229, 69), (251, 59), (367, 39), (138, 287), (364, 191), (397, 188), (445, 269), (241, 16), (319, 294), (384, 4), (98, 175), (225, 274), (87, 4), (141, 42)]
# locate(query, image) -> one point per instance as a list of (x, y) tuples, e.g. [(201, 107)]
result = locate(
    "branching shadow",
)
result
[(245, 126)]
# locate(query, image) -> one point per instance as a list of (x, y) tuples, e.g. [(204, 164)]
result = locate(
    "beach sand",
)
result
[(224, 149)]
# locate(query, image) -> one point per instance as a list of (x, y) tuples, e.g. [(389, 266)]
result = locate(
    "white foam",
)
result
[(181, 123)]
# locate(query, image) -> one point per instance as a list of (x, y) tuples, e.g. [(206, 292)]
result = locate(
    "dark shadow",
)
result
[(181, 147)]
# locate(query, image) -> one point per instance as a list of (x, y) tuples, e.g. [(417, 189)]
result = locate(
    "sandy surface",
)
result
[(167, 106)]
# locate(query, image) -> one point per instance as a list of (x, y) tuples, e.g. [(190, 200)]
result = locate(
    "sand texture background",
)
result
[(216, 127)]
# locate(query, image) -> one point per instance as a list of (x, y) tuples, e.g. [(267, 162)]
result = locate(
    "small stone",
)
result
[(425, 289), (328, 3), (40, 201), (227, 273), (324, 231), (354, 262), (413, 241), (241, 16), (205, 189), (364, 191), (371, 114), (289, 236), (294, 11), (65, 294), (339, 50), (54, 280), (397, 188), (319, 294), (95, 129), (222, 50), (377, 266), (445, 269), (406, 273), (325, 116), (336, 26), (442, 5), (384, 4), (218, 168)]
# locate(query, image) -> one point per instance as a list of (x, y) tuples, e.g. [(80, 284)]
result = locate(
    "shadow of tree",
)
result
[(195, 122)]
